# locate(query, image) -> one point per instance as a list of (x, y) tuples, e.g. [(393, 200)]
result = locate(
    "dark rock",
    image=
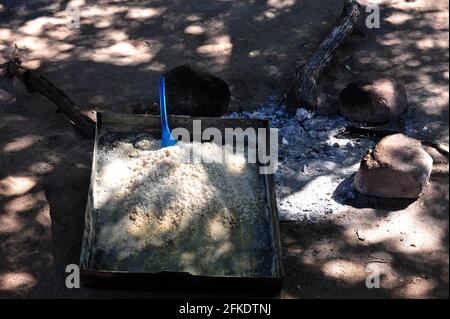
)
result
[(196, 93), (397, 167), (141, 108), (378, 101), (138, 108)]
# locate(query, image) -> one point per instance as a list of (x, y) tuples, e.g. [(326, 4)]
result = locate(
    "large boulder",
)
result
[(397, 167), (196, 93), (376, 102)]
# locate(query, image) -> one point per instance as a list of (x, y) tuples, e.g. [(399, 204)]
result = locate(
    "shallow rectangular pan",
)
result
[(143, 272)]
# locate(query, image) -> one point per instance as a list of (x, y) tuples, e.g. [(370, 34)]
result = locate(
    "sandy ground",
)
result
[(114, 60)]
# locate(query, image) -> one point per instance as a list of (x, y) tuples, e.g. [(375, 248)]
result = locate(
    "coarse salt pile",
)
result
[(161, 198)]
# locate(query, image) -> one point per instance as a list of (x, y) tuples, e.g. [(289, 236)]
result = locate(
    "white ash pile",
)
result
[(313, 161)]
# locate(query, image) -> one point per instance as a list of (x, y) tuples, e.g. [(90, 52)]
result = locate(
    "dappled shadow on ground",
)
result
[(43, 187), (411, 46), (407, 247), (250, 45), (114, 60)]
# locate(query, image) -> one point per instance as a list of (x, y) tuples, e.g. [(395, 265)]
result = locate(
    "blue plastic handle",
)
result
[(166, 138)]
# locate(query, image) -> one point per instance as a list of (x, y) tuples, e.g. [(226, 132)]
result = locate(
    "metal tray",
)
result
[(98, 266)]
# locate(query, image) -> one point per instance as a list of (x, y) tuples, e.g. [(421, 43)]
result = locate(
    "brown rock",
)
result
[(195, 93), (378, 101), (141, 108), (397, 167)]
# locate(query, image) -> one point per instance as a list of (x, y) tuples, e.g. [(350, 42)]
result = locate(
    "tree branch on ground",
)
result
[(38, 83), (304, 90)]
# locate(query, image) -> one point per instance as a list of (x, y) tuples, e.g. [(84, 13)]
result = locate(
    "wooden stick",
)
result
[(304, 91), (38, 83)]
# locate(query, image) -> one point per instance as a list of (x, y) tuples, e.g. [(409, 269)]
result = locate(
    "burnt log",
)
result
[(36, 83), (304, 90)]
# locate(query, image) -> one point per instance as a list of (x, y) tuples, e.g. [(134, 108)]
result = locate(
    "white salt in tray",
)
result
[(156, 220)]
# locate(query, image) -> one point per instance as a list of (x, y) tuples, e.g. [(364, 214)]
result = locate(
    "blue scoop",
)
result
[(166, 138)]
